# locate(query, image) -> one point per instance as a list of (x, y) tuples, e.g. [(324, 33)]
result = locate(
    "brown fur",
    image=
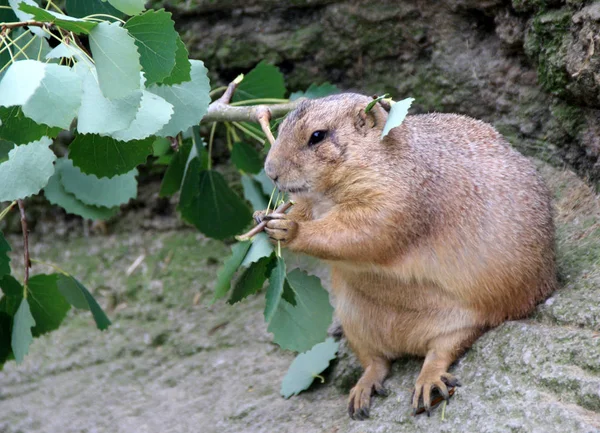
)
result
[(434, 234)]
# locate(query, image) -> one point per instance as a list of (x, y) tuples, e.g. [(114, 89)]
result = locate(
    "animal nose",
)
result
[(270, 170)]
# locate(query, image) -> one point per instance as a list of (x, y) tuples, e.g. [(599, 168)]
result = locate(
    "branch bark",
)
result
[(223, 112), (261, 226)]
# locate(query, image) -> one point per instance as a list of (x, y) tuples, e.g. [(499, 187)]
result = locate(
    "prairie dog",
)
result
[(434, 234)]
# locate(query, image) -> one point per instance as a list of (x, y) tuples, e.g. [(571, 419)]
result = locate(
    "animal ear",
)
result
[(375, 118)]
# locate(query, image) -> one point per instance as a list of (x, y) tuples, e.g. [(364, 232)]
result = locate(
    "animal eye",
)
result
[(316, 137)]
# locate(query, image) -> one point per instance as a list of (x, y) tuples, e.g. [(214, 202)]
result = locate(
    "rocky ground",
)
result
[(173, 363)]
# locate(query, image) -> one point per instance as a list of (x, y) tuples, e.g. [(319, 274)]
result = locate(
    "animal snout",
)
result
[(271, 171)]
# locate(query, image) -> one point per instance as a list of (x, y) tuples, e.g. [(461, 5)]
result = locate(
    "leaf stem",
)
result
[(103, 15), (210, 144), (7, 210), (217, 90), (12, 41), (41, 262), (25, 242), (260, 101), (229, 136), (249, 132)]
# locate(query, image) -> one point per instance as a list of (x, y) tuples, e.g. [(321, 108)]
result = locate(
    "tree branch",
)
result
[(223, 112), (24, 24), (25, 242)]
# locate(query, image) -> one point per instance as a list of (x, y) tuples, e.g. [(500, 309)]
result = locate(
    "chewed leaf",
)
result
[(397, 114), (307, 366)]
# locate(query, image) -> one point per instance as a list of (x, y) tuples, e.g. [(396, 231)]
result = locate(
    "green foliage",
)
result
[(4, 258), (83, 8), (117, 60), (252, 279), (182, 70), (174, 175), (246, 158), (98, 192), (156, 39), (397, 114), (314, 91), (264, 81), (190, 100), (307, 366), (207, 189), (302, 326), (231, 265), (27, 170), (80, 297), (130, 7), (254, 193), (106, 157), (56, 194), (21, 331), (48, 306), (15, 127), (261, 247), (65, 22), (275, 289)]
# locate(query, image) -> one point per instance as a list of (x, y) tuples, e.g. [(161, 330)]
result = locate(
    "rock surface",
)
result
[(172, 362), (530, 67)]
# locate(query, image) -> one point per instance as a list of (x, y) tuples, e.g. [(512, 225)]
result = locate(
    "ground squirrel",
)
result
[(434, 234)]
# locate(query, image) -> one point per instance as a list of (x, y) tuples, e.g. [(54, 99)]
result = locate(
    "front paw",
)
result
[(280, 229), (431, 389)]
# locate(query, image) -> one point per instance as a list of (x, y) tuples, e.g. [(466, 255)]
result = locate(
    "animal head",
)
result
[(323, 140)]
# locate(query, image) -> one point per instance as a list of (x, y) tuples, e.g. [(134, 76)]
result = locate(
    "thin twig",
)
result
[(263, 115), (261, 226), (23, 24), (219, 112), (25, 242)]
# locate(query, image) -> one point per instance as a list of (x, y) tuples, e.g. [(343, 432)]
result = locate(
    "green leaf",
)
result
[(23, 16), (275, 289), (13, 293), (55, 193), (7, 15), (181, 72), (57, 100), (98, 192), (107, 157), (314, 91), (261, 247), (266, 183), (117, 60), (252, 279), (208, 203), (80, 297), (66, 22), (288, 293), (246, 158), (27, 170), (5, 331), (21, 81), (5, 148), (302, 326), (307, 366), (230, 266), (21, 331), (156, 39), (153, 114), (397, 114), (161, 146), (264, 81), (4, 257), (15, 127), (130, 7), (254, 193), (190, 100), (48, 306), (29, 45), (375, 100), (83, 8), (101, 115), (68, 51), (174, 175)]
